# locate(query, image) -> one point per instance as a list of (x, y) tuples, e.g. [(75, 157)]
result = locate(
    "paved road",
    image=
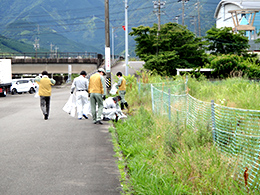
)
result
[(132, 67), (60, 156)]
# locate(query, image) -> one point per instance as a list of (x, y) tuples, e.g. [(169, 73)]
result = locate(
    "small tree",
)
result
[(224, 41)]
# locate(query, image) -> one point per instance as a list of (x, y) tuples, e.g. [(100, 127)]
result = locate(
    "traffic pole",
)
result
[(107, 48)]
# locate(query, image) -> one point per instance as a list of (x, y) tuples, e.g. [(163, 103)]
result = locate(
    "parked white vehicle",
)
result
[(34, 83), (22, 86)]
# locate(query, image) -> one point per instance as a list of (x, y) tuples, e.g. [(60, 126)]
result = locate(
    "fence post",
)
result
[(139, 86), (152, 97), (186, 84), (186, 100), (213, 120), (162, 102), (169, 91)]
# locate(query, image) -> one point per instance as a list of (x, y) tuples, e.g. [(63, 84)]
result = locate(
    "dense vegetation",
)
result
[(160, 157), (174, 46), (224, 41)]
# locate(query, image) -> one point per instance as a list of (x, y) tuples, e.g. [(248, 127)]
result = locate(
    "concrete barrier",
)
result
[(51, 68)]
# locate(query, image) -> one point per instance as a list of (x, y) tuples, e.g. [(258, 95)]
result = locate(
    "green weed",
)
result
[(159, 156)]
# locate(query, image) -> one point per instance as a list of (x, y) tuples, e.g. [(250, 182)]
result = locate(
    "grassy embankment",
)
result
[(158, 157)]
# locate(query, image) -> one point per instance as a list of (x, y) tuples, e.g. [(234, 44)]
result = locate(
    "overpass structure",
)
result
[(54, 63)]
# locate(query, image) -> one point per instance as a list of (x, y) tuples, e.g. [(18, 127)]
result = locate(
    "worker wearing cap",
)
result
[(80, 85), (97, 90)]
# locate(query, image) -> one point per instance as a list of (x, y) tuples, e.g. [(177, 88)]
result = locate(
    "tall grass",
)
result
[(160, 157), (232, 92), (162, 160)]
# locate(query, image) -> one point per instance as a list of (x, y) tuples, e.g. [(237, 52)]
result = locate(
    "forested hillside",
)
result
[(14, 46), (79, 25)]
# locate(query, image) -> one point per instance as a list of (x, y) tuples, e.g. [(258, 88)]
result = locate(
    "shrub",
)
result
[(234, 66)]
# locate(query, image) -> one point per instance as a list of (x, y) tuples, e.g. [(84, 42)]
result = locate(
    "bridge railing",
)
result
[(50, 55)]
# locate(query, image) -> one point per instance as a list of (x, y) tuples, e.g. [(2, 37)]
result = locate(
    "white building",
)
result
[(240, 15)]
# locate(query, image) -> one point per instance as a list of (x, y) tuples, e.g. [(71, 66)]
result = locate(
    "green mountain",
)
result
[(78, 25), (8, 45)]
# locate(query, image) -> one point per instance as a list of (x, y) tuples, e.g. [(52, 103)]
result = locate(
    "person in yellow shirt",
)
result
[(45, 84), (97, 91), (121, 86)]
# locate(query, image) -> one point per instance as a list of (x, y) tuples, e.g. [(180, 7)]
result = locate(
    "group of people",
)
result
[(93, 90)]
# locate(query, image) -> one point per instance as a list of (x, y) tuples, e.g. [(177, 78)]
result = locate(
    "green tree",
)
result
[(163, 63), (224, 41), (146, 39), (173, 47)]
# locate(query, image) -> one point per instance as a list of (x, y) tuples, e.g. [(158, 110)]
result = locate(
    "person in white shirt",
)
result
[(111, 109), (80, 84)]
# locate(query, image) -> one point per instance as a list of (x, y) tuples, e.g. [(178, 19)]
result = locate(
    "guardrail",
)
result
[(51, 55)]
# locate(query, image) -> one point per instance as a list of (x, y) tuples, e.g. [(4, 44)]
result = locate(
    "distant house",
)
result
[(241, 15)]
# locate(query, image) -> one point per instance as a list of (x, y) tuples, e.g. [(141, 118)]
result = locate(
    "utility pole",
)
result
[(126, 39), (51, 45), (107, 49), (113, 43), (56, 51), (159, 16), (177, 19), (113, 47), (183, 12), (158, 6), (36, 46), (198, 3), (193, 22), (36, 42), (183, 4)]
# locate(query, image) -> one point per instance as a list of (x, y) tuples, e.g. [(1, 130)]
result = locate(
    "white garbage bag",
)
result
[(70, 106), (113, 89), (37, 93), (122, 115)]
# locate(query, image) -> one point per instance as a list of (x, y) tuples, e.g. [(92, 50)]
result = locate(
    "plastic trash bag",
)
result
[(70, 106), (37, 93), (122, 115), (113, 89)]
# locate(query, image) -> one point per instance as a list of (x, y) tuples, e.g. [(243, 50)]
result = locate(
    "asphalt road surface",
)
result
[(132, 68), (60, 156)]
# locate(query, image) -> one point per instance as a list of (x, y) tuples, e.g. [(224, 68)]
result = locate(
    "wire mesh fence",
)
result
[(235, 132)]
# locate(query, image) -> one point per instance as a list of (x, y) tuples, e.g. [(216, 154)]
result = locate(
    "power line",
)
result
[(48, 23)]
